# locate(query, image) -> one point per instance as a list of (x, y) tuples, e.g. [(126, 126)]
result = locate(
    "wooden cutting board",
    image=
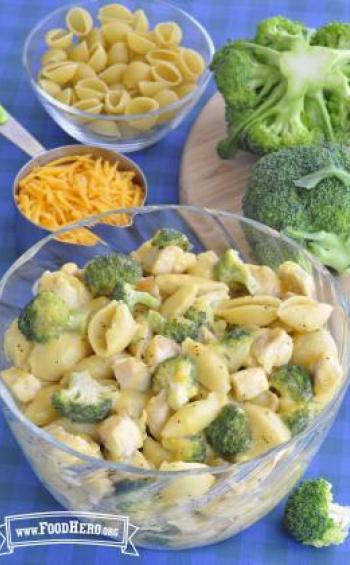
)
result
[(205, 179)]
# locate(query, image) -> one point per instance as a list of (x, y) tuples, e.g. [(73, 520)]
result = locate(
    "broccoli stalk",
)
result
[(279, 86), (125, 292), (229, 434), (102, 273), (330, 249), (178, 377), (47, 316), (85, 400), (311, 516), (168, 236)]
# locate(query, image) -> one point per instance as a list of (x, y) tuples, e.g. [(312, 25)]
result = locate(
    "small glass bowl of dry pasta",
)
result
[(183, 370), (118, 75)]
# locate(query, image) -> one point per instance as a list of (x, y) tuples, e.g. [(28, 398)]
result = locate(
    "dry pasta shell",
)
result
[(66, 96), (79, 52), (109, 129), (79, 21), (116, 101), (61, 73), (49, 86), (165, 98), (83, 71), (139, 43), (59, 38), (167, 55), (142, 105), (118, 53), (117, 86), (91, 88), (111, 12), (303, 314), (135, 72), (113, 74), (53, 56), (183, 89), (115, 31), (92, 105), (140, 21), (191, 64), (95, 36), (168, 34), (98, 58), (250, 315), (150, 87), (166, 72)]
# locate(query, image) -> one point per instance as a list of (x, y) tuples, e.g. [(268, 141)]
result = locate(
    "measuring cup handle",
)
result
[(17, 134)]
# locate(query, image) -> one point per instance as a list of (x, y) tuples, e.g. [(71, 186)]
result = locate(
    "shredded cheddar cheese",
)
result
[(76, 187)]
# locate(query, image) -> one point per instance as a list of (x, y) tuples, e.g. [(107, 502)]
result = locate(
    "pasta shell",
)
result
[(92, 105), (79, 52), (295, 279), (168, 34), (150, 87), (16, 346), (49, 86), (167, 55), (116, 101), (40, 411), (165, 98), (91, 88), (111, 12), (95, 36), (59, 38), (327, 377), (53, 56), (98, 58), (140, 21), (311, 347), (142, 105), (109, 129), (185, 487), (66, 96), (250, 315), (304, 314), (61, 73), (183, 89), (118, 53), (139, 43), (256, 300), (79, 21), (113, 74), (191, 64), (273, 348), (111, 329), (267, 282), (115, 31), (135, 72), (83, 71), (166, 72)]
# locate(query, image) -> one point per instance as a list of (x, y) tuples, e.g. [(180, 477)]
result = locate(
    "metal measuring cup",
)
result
[(26, 231)]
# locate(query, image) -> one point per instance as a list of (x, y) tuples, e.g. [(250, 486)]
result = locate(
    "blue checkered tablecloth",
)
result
[(20, 491)]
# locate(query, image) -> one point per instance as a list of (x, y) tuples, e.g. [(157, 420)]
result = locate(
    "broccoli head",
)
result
[(102, 273), (279, 85), (47, 315), (192, 449), (126, 292), (293, 383), (178, 377), (234, 347), (304, 192), (231, 270), (197, 316), (84, 400), (298, 418), (179, 328), (229, 434), (311, 516), (156, 321), (168, 236)]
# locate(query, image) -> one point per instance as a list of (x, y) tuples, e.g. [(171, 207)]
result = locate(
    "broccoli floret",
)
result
[(229, 434), (168, 236), (47, 315), (231, 270), (278, 86), (156, 321), (234, 347), (178, 377), (311, 516), (198, 317), (84, 400), (192, 449), (127, 293), (102, 273), (303, 191), (293, 383), (179, 328), (298, 419)]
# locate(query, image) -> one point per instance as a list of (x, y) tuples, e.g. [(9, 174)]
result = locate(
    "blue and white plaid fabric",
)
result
[(20, 491)]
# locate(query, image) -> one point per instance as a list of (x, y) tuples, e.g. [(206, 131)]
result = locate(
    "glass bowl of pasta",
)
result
[(168, 374), (118, 75)]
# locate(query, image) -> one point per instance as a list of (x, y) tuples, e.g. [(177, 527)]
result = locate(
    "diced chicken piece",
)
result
[(171, 259), (268, 399), (159, 349), (132, 402), (70, 269), (132, 374), (79, 442), (273, 348), (121, 435), (295, 279), (23, 385), (249, 383), (267, 282), (204, 266), (67, 287), (137, 459), (158, 412)]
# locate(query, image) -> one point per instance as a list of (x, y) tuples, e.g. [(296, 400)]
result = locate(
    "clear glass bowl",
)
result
[(119, 132), (241, 493)]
